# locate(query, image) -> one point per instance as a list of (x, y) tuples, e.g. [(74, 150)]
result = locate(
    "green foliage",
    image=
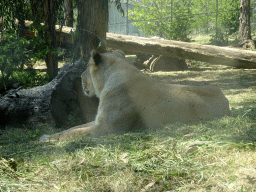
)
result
[(227, 14), (219, 38), (177, 19), (30, 78), (18, 53), (13, 10), (14, 54), (229, 18), (163, 18), (38, 44), (16, 62)]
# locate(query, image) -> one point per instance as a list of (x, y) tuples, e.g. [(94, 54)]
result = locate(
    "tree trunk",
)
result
[(92, 26), (50, 8), (64, 93), (46, 11), (244, 25), (68, 13)]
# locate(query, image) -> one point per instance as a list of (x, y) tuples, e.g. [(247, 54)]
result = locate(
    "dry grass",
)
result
[(218, 155)]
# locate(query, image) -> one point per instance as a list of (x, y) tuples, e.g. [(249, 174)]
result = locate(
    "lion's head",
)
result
[(97, 68)]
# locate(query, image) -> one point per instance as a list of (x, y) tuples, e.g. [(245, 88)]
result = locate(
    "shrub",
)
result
[(16, 62), (219, 38)]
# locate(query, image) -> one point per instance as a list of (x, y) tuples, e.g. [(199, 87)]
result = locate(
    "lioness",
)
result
[(130, 99)]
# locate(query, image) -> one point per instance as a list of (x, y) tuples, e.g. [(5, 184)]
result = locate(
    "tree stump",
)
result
[(247, 44), (53, 101)]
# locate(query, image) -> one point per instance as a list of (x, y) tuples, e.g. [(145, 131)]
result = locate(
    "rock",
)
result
[(164, 63)]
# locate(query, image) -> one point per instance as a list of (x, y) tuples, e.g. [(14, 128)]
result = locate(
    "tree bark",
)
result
[(50, 8), (244, 25), (183, 50), (177, 49), (46, 11), (92, 26), (53, 101), (68, 13)]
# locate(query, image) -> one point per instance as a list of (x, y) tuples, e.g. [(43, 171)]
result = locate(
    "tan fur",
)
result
[(129, 99)]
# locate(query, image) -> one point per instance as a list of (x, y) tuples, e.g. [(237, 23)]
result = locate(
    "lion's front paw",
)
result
[(45, 138)]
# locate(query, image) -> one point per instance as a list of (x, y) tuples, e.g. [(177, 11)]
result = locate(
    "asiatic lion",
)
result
[(130, 99)]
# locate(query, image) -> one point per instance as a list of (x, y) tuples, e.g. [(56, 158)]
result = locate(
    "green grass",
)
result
[(206, 39), (201, 39), (218, 155)]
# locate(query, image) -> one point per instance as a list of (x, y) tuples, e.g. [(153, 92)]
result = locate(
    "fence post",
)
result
[(171, 10), (127, 21), (216, 18)]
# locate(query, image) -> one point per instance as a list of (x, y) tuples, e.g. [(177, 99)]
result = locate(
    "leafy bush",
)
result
[(16, 63), (161, 19), (177, 19), (219, 38)]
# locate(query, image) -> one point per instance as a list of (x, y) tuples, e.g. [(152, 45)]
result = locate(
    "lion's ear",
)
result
[(97, 58)]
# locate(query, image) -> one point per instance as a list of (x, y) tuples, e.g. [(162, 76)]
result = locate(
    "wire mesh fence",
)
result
[(216, 18)]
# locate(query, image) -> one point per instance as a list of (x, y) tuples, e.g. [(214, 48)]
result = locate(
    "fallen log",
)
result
[(53, 101), (182, 50), (234, 57)]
